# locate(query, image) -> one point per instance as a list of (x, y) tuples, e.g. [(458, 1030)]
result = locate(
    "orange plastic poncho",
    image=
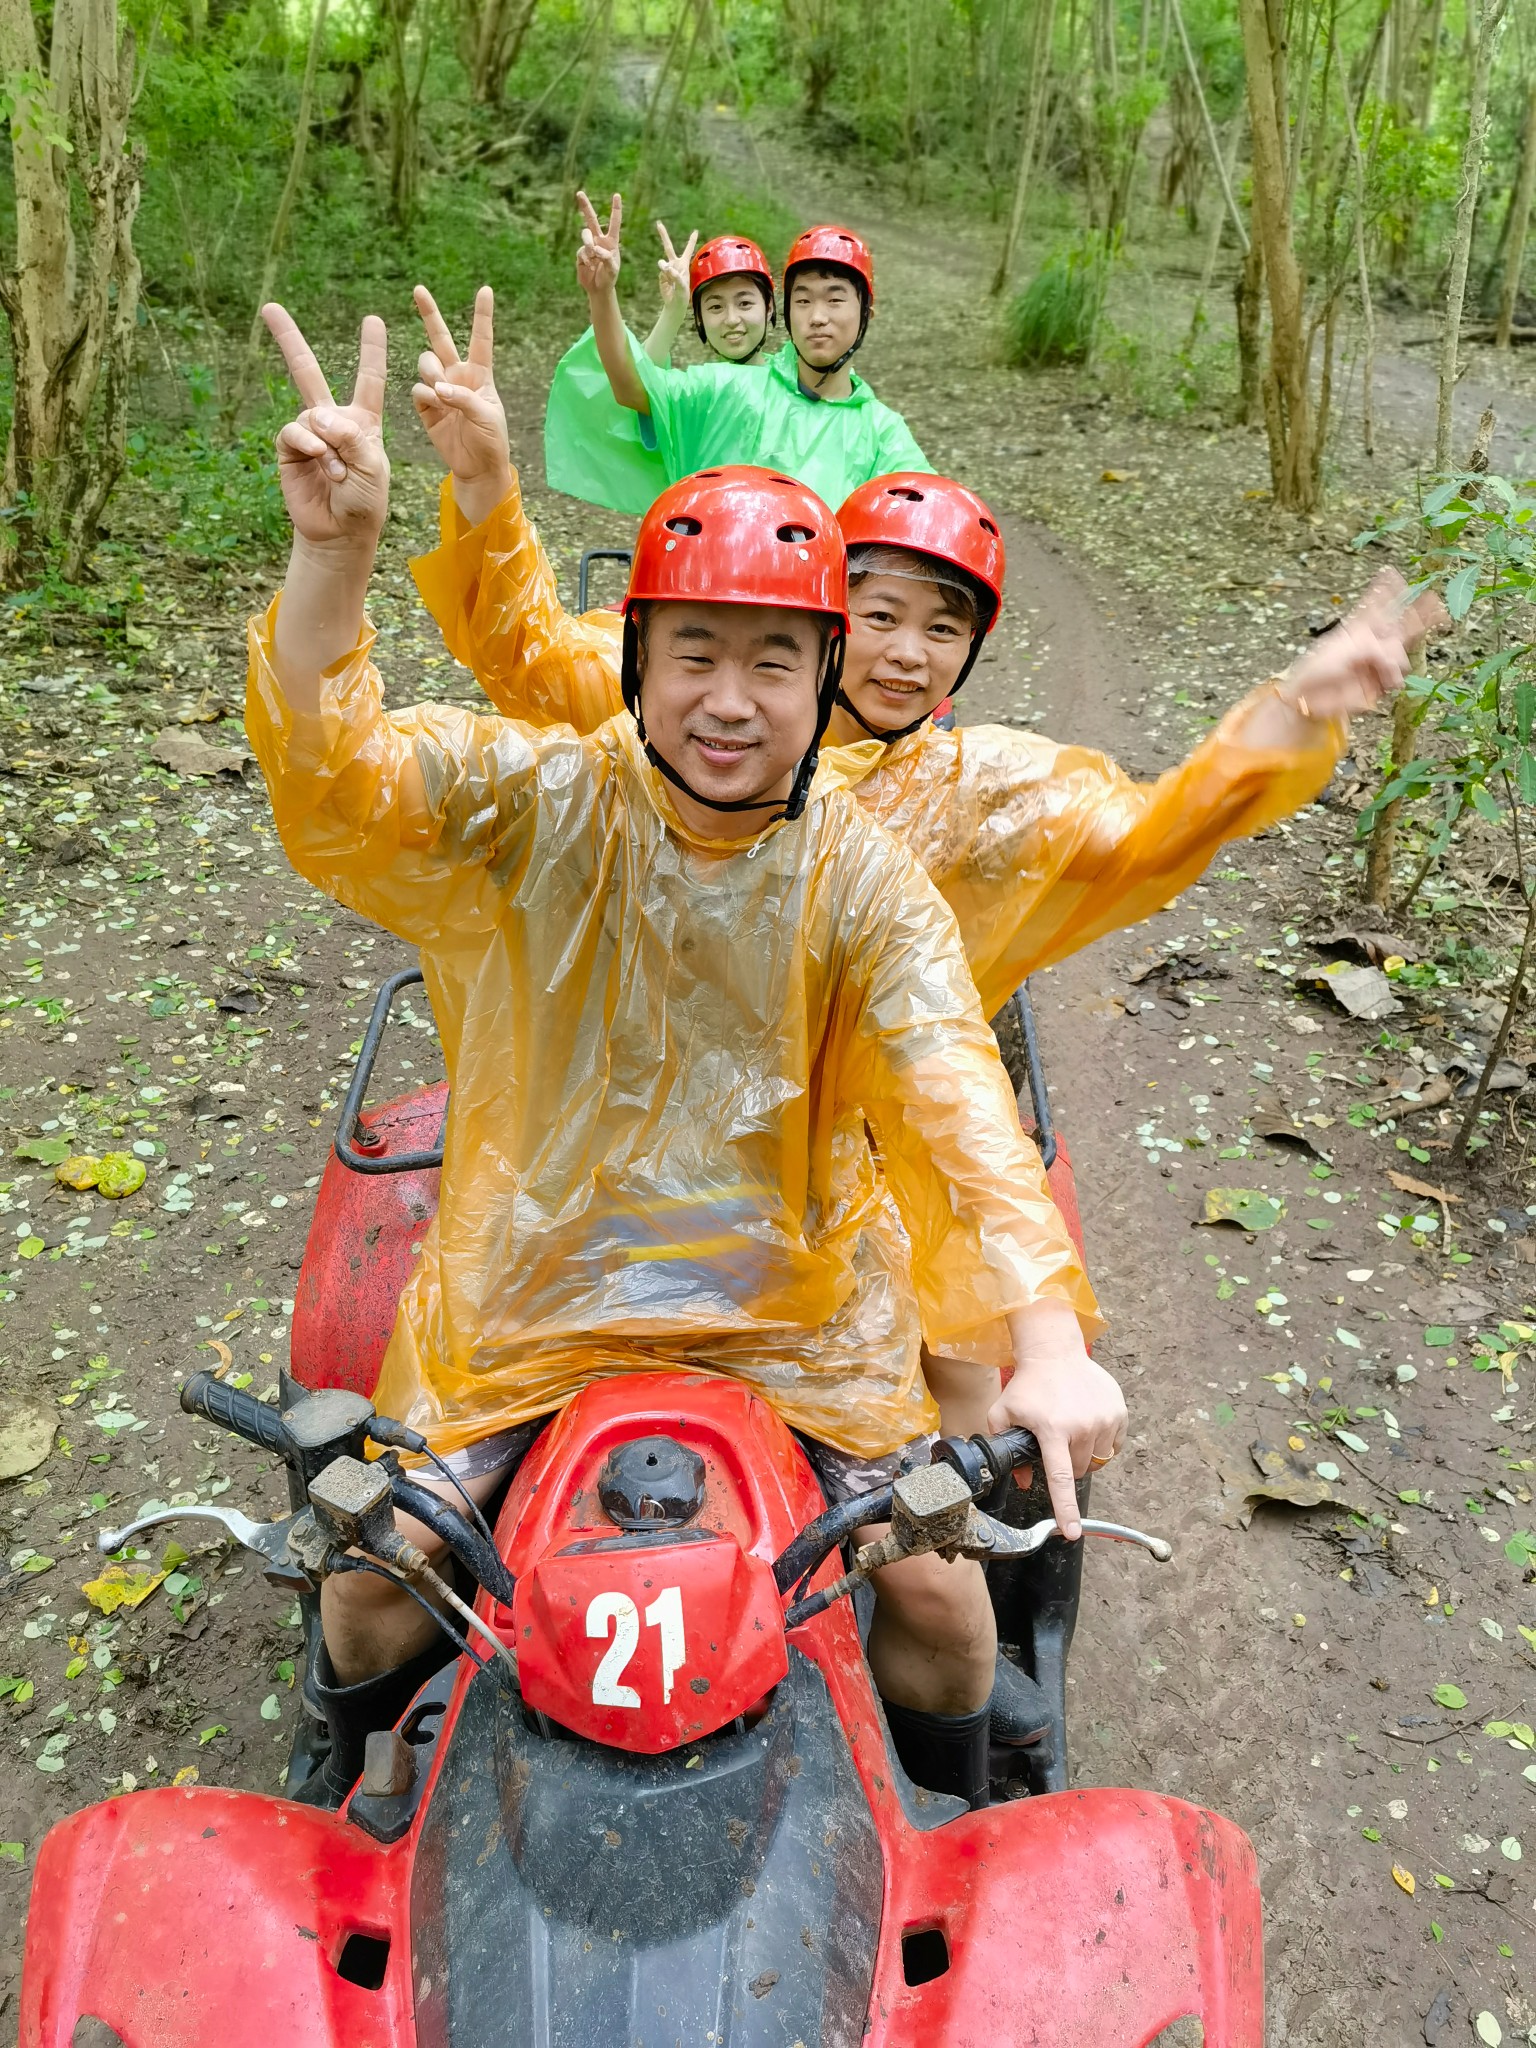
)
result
[(1037, 848), (664, 1057)]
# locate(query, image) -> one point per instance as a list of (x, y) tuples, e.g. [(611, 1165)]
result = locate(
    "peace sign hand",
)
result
[(331, 460), (672, 269), (597, 260), (457, 401)]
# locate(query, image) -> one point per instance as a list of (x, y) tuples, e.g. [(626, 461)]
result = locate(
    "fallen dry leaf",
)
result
[(226, 1356), (1403, 1879), (185, 754), (1407, 1185), (26, 1438)]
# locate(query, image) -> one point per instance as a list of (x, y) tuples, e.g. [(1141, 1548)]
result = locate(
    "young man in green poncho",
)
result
[(801, 410)]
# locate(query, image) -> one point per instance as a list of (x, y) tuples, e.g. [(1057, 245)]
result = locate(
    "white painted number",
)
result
[(617, 1614), (666, 1613)]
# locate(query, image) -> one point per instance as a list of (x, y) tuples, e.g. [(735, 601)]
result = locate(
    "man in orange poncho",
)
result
[(678, 974)]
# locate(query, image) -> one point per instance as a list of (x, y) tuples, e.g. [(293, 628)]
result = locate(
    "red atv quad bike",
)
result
[(651, 1801)]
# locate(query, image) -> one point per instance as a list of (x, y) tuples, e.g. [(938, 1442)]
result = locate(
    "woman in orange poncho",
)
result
[(1038, 848)]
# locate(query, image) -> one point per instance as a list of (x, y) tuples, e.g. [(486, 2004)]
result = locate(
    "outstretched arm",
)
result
[(597, 272), (672, 272), (1352, 669)]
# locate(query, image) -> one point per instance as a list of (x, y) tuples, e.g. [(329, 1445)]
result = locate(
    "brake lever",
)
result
[(1010, 1542), (269, 1540)]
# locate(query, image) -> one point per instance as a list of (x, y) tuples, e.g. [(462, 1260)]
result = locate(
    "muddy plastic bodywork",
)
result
[(773, 1881)]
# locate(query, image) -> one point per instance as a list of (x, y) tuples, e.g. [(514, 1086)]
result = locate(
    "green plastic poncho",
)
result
[(713, 413), (595, 448), (666, 1058), (1038, 848)]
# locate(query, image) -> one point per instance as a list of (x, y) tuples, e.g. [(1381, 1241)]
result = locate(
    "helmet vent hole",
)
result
[(796, 534), (683, 524), (988, 527), (906, 491)]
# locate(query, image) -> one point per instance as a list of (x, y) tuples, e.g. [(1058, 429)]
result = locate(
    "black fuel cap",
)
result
[(651, 1481)]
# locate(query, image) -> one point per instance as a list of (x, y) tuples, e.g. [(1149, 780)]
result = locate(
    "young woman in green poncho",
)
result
[(801, 410), (604, 452)]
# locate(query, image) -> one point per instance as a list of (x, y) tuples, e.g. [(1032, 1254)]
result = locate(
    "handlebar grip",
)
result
[(233, 1410), (1012, 1447)]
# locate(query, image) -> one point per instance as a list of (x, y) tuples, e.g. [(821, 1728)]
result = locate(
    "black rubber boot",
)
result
[(1021, 1713), (353, 1712), (944, 1752)]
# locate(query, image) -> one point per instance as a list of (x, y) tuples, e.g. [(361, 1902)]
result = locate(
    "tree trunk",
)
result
[(492, 42), (284, 214), (1039, 75), (1248, 292), (1362, 276), (1288, 416), (1485, 18), (73, 298), (1519, 224)]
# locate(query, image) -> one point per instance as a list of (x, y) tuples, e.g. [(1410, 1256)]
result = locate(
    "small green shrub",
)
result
[(1055, 319)]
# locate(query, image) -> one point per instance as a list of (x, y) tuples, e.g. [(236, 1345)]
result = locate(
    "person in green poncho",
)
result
[(597, 449), (801, 410)]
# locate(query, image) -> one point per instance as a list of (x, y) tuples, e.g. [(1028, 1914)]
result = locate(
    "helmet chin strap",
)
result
[(891, 734), (799, 789)]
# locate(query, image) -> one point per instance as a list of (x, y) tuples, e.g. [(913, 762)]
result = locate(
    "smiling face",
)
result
[(908, 638), (734, 316), (729, 695), (824, 311)]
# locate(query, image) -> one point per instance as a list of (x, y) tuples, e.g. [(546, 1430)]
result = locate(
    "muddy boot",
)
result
[(944, 1752), (353, 1712)]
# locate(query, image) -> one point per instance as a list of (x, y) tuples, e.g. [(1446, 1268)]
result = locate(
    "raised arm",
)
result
[(672, 276), (335, 481), (493, 593), (597, 272), (416, 820)]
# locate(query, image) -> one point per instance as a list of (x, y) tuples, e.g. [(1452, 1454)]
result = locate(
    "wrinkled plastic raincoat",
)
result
[(1037, 848), (667, 1060), (595, 448), (714, 413)]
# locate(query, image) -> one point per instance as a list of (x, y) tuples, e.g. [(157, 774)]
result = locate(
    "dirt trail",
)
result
[(1282, 1673)]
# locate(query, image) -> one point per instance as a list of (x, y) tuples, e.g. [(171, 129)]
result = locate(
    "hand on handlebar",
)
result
[(1074, 1407)]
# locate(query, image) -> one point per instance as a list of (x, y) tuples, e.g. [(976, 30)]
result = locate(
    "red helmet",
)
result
[(840, 248), (740, 535), (931, 515), (729, 256)]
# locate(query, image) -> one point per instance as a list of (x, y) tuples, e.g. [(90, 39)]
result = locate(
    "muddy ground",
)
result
[(170, 990)]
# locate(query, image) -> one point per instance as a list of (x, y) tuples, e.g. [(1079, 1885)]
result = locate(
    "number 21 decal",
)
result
[(617, 1615)]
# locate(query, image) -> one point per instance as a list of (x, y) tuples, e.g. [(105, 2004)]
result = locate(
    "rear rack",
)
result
[(584, 573), (360, 1156)]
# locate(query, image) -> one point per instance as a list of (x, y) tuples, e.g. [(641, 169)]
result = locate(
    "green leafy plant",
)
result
[(1056, 318), (1473, 537)]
